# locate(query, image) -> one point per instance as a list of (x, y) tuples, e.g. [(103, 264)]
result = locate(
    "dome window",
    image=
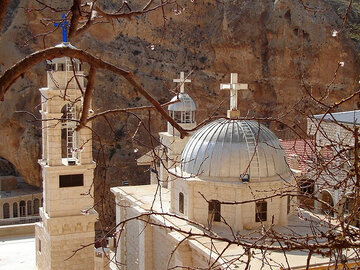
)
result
[(214, 211), (181, 202), (261, 211)]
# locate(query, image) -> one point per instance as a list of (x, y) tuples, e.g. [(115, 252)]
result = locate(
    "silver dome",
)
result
[(186, 103), (224, 149)]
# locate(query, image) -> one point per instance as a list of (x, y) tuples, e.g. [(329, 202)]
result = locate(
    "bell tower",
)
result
[(183, 112), (67, 166)]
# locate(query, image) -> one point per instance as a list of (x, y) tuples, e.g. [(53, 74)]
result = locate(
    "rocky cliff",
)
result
[(277, 47)]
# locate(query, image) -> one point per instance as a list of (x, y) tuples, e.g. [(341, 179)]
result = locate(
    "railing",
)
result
[(19, 220)]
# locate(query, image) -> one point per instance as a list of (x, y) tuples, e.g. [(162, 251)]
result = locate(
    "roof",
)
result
[(223, 149), (302, 150), (186, 103), (21, 189), (65, 45), (150, 156), (143, 199), (349, 117)]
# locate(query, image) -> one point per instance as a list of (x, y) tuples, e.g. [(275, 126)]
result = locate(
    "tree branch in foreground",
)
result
[(17, 70)]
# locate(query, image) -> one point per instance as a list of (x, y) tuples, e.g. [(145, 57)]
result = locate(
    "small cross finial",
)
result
[(182, 81), (234, 87), (64, 25)]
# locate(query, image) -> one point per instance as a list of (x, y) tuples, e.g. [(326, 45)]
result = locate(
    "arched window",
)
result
[(6, 210), (22, 209), (261, 211), (29, 208), (181, 202), (15, 209), (214, 210), (36, 206)]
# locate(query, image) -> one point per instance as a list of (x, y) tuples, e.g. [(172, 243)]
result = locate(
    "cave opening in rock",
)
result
[(18, 200), (7, 168)]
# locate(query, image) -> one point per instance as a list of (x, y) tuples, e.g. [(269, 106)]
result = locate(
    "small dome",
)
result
[(186, 103), (225, 148), (64, 63)]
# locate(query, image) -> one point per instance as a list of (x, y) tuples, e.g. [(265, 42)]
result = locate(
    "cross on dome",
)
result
[(234, 87), (64, 25), (182, 81)]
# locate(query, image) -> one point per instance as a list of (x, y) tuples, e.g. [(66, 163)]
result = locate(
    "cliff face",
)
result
[(277, 47)]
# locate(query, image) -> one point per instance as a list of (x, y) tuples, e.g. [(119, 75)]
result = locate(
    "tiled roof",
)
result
[(304, 154), (300, 150)]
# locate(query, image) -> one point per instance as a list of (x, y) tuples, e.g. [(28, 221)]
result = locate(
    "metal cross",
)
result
[(182, 81), (234, 87), (64, 25)]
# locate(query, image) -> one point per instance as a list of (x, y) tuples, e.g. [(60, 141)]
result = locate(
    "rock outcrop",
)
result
[(280, 48)]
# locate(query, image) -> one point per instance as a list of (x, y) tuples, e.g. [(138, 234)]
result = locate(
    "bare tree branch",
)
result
[(12, 74)]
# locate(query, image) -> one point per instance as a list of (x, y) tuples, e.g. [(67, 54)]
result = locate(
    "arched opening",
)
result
[(327, 203), (29, 208), (181, 202), (22, 209), (7, 168), (68, 135), (36, 206), (261, 211), (6, 210), (214, 210), (15, 209), (307, 188)]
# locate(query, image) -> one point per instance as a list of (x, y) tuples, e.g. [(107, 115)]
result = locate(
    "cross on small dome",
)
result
[(234, 87), (182, 81)]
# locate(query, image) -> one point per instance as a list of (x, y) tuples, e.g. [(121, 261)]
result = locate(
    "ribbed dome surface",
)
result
[(224, 149), (186, 103)]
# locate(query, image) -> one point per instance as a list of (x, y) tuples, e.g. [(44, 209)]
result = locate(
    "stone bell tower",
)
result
[(67, 170), (183, 112)]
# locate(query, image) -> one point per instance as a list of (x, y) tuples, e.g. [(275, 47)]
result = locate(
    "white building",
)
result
[(224, 162), (334, 142)]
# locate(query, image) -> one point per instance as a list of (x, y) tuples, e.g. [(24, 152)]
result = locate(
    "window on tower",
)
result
[(68, 133), (60, 67), (177, 117), (187, 117), (71, 180)]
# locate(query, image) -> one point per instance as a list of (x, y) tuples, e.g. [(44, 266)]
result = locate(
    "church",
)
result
[(213, 196), (217, 199)]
